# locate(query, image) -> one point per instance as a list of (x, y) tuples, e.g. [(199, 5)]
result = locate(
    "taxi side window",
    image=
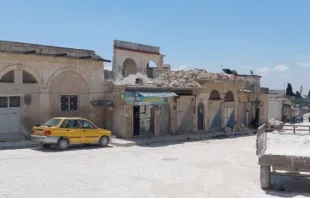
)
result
[(63, 124), (86, 125), (72, 124)]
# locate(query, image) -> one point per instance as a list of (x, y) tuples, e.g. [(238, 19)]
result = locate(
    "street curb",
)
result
[(13, 147), (189, 138)]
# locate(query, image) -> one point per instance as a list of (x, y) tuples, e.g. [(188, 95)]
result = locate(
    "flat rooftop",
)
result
[(47, 50)]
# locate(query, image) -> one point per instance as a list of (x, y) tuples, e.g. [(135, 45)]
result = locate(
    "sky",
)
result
[(270, 37)]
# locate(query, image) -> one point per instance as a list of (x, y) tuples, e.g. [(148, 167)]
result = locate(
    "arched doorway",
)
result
[(151, 71), (229, 109), (67, 99), (214, 111), (129, 67), (200, 116)]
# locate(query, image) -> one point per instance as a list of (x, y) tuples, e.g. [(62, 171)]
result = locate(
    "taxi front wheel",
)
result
[(104, 141)]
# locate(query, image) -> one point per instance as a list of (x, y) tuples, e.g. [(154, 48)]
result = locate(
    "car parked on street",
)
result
[(65, 131)]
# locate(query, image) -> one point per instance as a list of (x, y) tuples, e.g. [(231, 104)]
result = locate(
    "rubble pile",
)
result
[(181, 78), (189, 78), (273, 121)]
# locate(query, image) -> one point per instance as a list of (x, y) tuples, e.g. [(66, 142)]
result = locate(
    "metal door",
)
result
[(4, 115), (14, 114), (164, 119), (200, 116)]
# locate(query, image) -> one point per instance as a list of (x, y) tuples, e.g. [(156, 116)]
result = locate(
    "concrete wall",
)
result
[(275, 108), (55, 76), (252, 82), (263, 108)]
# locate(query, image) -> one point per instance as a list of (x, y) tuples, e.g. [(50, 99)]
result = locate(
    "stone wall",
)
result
[(55, 76)]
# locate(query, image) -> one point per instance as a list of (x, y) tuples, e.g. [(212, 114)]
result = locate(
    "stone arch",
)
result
[(63, 70), (214, 95), (8, 77), (229, 111), (229, 96), (28, 78), (200, 116), (214, 111), (9, 68), (150, 71), (129, 66)]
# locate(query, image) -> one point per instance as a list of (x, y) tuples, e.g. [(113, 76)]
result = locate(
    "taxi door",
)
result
[(90, 132)]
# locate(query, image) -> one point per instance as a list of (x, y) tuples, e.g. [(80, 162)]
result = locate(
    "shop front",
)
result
[(150, 111)]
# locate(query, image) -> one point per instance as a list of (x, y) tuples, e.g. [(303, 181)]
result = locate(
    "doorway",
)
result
[(136, 120), (200, 116)]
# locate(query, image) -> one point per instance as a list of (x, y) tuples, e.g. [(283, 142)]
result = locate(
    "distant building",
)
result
[(166, 68), (279, 105)]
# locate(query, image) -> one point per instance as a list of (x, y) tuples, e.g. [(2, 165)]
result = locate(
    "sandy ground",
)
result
[(212, 168), (288, 143)]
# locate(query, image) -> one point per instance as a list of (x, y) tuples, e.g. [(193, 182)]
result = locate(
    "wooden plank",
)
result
[(293, 162), (261, 139)]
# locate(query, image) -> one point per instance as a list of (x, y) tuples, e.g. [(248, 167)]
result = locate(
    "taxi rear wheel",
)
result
[(62, 144), (104, 141)]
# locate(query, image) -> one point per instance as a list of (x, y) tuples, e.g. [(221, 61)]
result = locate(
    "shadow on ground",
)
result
[(72, 148), (283, 186), (168, 141)]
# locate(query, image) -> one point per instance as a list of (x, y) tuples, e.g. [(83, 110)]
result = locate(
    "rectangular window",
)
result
[(3, 102), (69, 103), (15, 101)]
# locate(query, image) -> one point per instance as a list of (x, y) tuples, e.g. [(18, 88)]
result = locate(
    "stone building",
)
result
[(253, 101), (38, 82), (176, 102)]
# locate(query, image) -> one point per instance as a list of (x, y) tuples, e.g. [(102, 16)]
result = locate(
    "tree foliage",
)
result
[(289, 90)]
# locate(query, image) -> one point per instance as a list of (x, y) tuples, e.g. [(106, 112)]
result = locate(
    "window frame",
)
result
[(68, 97), (80, 120), (65, 122)]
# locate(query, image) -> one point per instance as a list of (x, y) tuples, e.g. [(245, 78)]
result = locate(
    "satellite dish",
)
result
[(251, 71)]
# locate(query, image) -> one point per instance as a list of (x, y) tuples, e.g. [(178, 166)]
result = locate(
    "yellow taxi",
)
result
[(65, 131)]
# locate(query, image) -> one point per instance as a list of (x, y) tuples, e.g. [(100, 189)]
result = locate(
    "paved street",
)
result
[(211, 168)]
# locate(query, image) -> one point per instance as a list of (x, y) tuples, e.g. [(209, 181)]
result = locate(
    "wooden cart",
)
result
[(296, 166)]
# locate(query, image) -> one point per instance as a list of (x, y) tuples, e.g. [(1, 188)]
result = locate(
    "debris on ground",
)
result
[(131, 79), (273, 121)]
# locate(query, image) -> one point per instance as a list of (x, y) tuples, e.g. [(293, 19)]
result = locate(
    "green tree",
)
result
[(298, 95)]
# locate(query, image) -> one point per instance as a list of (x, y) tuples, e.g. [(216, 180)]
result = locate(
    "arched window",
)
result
[(150, 71), (28, 78), (214, 95), (8, 77), (229, 97), (129, 67)]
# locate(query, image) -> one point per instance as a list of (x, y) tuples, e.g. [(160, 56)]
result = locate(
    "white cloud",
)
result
[(304, 64), (181, 67), (281, 68), (263, 70), (108, 67)]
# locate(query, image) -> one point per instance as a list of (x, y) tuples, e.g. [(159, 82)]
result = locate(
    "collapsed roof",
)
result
[(181, 78)]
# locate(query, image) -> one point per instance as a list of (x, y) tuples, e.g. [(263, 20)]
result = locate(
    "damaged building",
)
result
[(177, 102)]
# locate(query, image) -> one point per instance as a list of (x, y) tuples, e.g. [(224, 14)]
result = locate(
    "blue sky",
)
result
[(271, 37)]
